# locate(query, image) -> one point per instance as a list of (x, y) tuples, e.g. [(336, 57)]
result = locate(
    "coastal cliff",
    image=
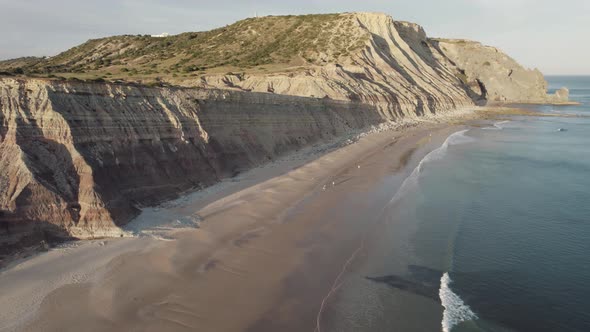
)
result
[(82, 158), (396, 70), (492, 76), (124, 122), (403, 72)]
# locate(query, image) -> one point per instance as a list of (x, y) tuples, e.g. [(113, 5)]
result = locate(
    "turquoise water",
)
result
[(491, 232)]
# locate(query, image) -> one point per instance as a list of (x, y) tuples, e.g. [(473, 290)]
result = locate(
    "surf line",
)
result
[(337, 283), (456, 310)]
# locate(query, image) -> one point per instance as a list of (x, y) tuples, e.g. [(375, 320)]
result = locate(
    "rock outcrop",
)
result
[(397, 70), (398, 59), (493, 76)]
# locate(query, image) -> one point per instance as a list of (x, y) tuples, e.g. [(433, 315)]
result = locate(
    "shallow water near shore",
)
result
[(488, 233)]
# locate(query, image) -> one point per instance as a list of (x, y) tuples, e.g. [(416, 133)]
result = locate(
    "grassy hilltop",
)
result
[(267, 44)]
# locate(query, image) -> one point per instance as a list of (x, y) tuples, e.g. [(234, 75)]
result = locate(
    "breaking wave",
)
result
[(454, 139), (497, 126), (456, 311)]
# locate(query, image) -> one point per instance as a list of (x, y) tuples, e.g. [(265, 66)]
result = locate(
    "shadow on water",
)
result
[(476, 288), (421, 281)]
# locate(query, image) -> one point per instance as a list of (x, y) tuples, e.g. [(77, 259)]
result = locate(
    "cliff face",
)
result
[(403, 73), (494, 76), (80, 158), (367, 57), (396, 70)]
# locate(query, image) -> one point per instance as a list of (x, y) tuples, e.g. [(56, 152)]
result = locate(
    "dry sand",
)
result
[(259, 252)]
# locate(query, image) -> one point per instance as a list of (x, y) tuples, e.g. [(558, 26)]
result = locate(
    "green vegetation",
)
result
[(462, 77), (453, 41), (275, 42)]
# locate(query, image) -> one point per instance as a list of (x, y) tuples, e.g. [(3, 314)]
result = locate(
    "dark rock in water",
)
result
[(421, 281)]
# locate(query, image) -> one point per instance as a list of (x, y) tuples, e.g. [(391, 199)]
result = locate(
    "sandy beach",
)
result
[(265, 251)]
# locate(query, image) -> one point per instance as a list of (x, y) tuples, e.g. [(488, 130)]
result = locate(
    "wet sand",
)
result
[(268, 256)]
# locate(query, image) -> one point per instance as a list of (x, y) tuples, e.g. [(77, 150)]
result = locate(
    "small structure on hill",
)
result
[(162, 35)]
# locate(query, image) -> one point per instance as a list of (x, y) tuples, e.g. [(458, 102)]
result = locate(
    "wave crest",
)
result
[(456, 311), (454, 139), (496, 126)]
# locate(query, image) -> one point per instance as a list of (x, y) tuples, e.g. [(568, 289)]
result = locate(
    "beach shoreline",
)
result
[(239, 252)]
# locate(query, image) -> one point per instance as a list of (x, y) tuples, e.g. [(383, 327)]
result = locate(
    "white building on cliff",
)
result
[(162, 35)]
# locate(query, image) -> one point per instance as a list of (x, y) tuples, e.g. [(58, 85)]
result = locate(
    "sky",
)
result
[(546, 34)]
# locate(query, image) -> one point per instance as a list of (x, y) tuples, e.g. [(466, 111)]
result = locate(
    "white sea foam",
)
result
[(497, 126), (456, 311), (454, 139)]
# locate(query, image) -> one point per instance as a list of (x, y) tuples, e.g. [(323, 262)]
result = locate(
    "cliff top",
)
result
[(266, 44), (335, 55)]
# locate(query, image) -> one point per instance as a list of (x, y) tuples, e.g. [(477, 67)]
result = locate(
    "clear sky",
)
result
[(548, 34)]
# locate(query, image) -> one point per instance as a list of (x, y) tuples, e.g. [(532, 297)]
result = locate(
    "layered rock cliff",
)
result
[(493, 76), (398, 59), (397, 70), (79, 158)]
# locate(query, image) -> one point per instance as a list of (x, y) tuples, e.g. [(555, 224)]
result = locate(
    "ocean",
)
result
[(490, 232)]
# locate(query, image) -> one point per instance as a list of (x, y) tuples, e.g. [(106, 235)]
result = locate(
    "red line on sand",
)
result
[(336, 285)]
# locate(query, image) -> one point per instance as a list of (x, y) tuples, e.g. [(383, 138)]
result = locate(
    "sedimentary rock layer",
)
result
[(82, 158), (397, 70), (493, 76), (404, 73)]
